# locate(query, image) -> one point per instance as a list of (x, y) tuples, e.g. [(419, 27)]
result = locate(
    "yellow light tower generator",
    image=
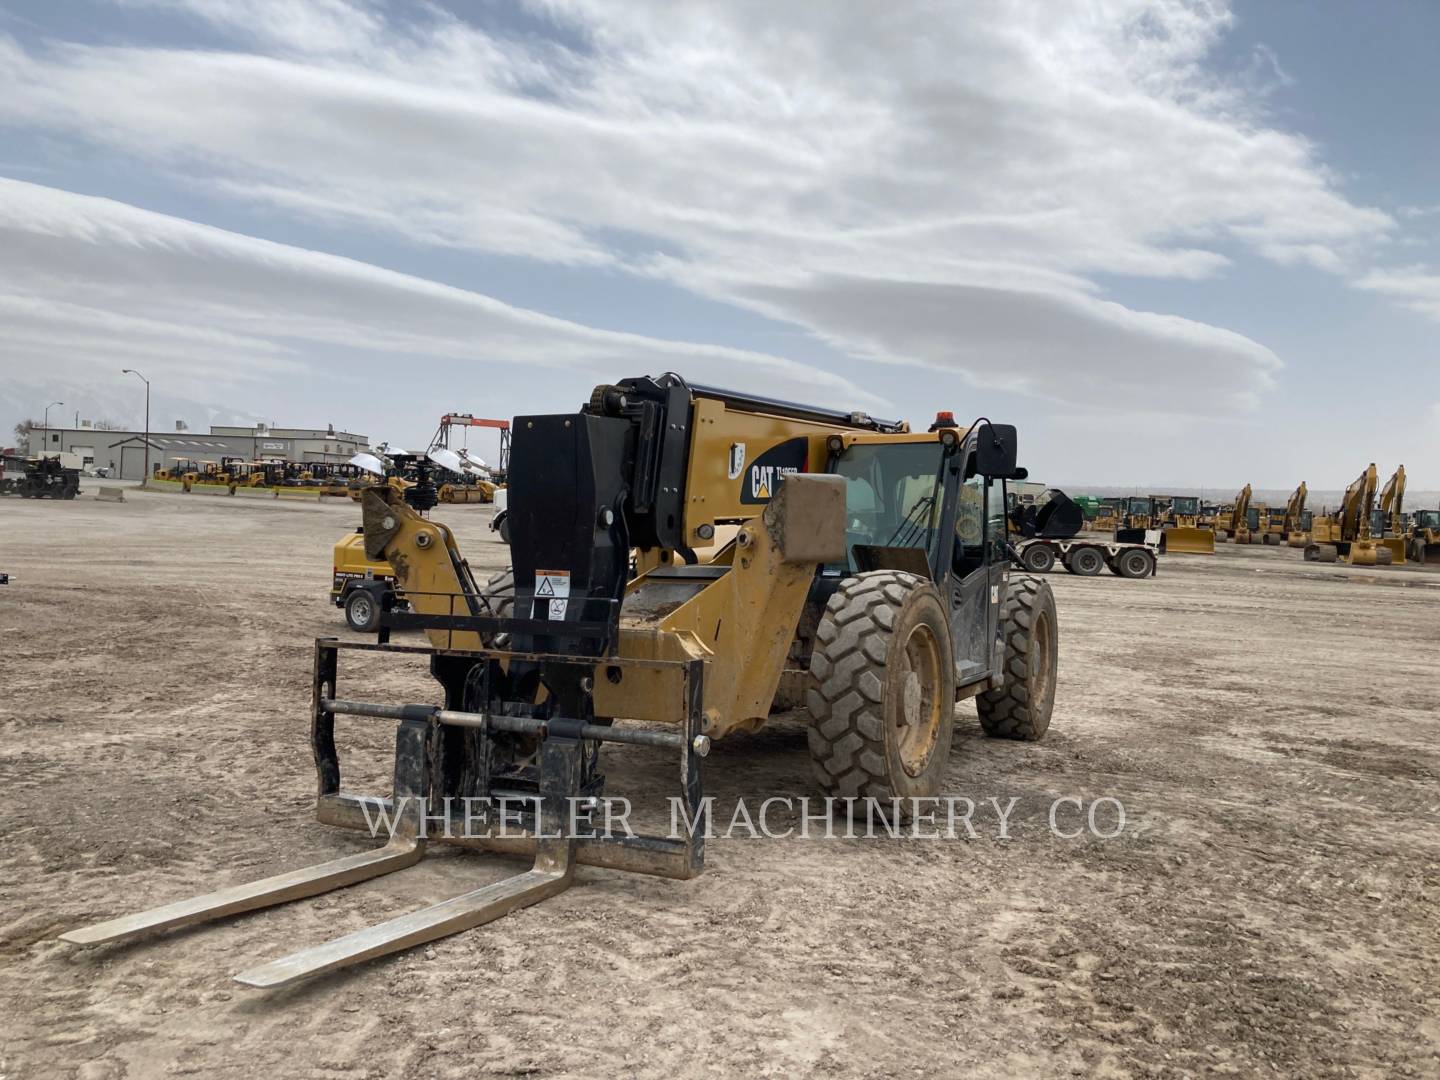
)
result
[(688, 559)]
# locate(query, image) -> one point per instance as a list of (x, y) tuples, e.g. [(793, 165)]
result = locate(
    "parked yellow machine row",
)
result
[(1369, 528)]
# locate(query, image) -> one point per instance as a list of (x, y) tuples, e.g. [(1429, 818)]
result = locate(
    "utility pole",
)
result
[(131, 371), (46, 436)]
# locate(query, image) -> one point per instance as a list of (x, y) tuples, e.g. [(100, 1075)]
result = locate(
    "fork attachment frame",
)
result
[(424, 784)]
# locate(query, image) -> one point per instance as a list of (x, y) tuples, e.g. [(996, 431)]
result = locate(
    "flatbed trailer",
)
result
[(1086, 556)]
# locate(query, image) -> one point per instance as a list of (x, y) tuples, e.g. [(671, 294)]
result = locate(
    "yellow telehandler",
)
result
[(689, 558)]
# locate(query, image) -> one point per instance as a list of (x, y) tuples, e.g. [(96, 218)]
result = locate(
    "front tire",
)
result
[(882, 689), (1021, 708)]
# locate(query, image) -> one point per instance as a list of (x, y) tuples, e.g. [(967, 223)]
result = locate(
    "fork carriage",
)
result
[(534, 803)]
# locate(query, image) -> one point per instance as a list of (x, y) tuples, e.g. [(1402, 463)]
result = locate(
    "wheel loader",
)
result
[(690, 559), (1424, 536), (1179, 519)]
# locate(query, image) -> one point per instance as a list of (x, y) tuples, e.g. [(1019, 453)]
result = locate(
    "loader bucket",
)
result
[(1187, 540)]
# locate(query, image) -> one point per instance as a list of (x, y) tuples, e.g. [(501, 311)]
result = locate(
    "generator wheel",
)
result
[(881, 691), (499, 593), (1135, 563), (1021, 708), (362, 611), (1085, 561), (1038, 558)]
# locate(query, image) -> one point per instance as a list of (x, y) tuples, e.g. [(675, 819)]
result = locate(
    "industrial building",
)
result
[(123, 452)]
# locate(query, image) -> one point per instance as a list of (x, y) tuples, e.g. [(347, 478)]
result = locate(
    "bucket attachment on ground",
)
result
[(1188, 540)]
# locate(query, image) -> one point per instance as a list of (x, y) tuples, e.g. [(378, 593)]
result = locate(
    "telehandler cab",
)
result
[(693, 559)]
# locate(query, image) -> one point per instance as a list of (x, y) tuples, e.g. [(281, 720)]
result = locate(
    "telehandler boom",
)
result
[(691, 558)]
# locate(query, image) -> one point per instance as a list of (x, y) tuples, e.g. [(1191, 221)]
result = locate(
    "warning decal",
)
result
[(552, 592)]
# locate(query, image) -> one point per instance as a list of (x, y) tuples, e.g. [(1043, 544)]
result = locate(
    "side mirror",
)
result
[(996, 451)]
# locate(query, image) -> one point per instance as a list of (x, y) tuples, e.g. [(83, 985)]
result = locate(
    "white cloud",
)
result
[(99, 284), (974, 167), (1415, 287)]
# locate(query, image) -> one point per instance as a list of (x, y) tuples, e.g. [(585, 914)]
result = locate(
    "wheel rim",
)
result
[(1089, 561), (1041, 660), (917, 719), (360, 610)]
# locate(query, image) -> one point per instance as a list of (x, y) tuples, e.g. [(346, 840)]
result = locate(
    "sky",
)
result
[(1176, 243)]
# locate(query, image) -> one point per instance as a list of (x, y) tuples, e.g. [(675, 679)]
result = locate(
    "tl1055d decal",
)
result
[(759, 481)]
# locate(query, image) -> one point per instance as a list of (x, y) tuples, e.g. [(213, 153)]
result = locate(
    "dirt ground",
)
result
[(1271, 727)]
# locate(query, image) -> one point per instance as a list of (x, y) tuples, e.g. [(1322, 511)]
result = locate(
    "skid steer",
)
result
[(694, 559)]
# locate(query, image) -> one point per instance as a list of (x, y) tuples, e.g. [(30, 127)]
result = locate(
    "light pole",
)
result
[(47, 428), (145, 480)]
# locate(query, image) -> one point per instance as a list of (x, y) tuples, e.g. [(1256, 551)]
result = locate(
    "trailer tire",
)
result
[(1085, 561), (881, 690), (362, 610), (1020, 709), (1038, 558), (1135, 563)]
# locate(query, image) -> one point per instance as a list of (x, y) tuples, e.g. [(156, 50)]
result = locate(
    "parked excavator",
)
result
[(1345, 537), (1235, 522), (1391, 529), (1293, 526), (690, 558)]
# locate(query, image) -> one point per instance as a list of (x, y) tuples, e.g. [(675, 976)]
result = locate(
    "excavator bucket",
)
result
[(1189, 540), (1396, 544)]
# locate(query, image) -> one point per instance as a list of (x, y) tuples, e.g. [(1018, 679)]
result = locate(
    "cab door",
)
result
[(976, 574)]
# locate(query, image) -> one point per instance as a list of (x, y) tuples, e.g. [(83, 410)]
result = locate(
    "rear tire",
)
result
[(1135, 563), (499, 593), (1021, 708), (882, 689), (1038, 558), (1085, 561)]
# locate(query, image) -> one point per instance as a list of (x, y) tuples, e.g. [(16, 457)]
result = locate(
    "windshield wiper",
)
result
[(908, 531)]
